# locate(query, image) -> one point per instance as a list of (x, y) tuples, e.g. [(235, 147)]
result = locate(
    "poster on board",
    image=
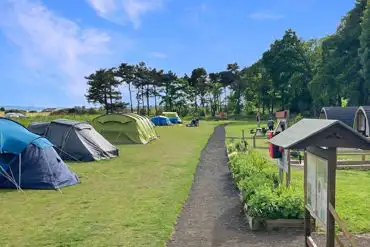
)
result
[(317, 184), (311, 181), (322, 188)]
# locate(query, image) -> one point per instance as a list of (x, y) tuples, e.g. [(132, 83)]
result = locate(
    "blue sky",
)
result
[(48, 46)]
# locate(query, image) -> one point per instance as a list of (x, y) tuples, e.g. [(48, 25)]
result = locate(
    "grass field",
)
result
[(353, 187), (132, 200)]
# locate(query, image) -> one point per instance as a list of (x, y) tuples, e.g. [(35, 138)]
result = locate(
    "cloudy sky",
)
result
[(48, 46)]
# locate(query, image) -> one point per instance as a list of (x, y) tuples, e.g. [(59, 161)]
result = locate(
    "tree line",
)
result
[(295, 74)]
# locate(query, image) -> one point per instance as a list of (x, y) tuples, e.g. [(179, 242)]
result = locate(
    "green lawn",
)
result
[(132, 200), (352, 193)]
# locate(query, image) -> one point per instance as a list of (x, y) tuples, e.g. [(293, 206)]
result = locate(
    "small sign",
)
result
[(317, 186), (283, 162)]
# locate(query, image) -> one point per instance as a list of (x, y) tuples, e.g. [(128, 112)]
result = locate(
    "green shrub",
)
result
[(257, 179), (281, 203), (250, 185)]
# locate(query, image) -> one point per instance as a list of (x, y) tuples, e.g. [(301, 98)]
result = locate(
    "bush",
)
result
[(257, 179), (280, 203)]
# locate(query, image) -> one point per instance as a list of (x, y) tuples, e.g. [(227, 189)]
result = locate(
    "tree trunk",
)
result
[(111, 100), (129, 90), (195, 104), (155, 100), (147, 100), (225, 100), (339, 100), (106, 103), (138, 101)]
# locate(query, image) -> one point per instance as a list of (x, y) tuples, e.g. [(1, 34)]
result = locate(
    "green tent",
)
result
[(125, 129)]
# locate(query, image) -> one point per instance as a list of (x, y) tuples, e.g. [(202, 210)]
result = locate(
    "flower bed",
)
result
[(265, 200)]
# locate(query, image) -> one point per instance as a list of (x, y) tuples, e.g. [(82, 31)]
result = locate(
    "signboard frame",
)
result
[(329, 155)]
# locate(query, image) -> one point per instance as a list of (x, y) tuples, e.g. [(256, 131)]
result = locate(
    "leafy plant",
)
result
[(257, 179)]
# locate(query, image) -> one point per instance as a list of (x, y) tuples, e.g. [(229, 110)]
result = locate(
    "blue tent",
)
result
[(161, 121), (29, 161)]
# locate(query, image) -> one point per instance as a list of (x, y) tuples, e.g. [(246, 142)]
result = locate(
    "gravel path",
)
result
[(212, 215)]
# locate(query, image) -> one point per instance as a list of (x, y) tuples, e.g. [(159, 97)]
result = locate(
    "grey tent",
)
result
[(344, 114), (75, 140)]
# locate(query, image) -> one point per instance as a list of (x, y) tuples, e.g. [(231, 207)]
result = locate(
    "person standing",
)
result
[(258, 119)]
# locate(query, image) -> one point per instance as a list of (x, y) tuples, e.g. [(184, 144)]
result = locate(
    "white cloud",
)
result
[(121, 11), (158, 54), (53, 45), (265, 15)]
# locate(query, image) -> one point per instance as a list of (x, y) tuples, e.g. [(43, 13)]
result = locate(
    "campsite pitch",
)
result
[(132, 200)]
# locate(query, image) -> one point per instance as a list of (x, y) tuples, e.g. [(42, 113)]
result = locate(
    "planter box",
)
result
[(278, 224), (296, 224), (254, 223)]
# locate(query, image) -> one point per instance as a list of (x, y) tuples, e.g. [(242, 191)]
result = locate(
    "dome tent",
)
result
[(125, 128), (161, 121), (173, 117), (28, 161), (75, 140)]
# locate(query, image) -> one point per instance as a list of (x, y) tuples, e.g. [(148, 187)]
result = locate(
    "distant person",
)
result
[(258, 119), (270, 124)]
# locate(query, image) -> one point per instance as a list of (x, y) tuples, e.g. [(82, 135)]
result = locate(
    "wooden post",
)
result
[(330, 224), (288, 174), (254, 141), (307, 214), (363, 157), (243, 136)]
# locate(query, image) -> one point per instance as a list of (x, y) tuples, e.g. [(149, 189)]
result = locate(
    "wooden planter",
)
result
[(270, 225), (278, 224), (253, 222)]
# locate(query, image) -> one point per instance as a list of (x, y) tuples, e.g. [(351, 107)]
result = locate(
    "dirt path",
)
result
[(212, 215)]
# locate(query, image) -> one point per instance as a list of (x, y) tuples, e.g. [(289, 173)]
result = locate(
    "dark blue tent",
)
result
[(161, 121), (29, 161)]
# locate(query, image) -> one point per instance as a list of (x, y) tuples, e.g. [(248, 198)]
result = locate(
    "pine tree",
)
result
[(103, 89)]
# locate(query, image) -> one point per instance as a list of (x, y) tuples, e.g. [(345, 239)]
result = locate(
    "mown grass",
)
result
[(352, 190), (132, 200)]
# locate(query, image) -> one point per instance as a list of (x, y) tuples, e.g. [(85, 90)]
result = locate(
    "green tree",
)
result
[(169, 88), (103, 89), (364, 52), (198, 82), (126, 73), (290, 70), (215, 87)]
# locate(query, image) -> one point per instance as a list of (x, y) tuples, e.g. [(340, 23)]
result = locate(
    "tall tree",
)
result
[(290, 70), (364, 52), (237, 85), (169, 88), (103, 89), (215, 87), (126, 74), (198, 81)]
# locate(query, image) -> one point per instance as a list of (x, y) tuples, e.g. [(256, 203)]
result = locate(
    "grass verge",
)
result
[(132, 200)]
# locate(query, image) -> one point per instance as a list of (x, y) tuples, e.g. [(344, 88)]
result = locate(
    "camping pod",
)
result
[(125, 128), (75, 140), (361, 122), (161, 121), (344, 114), (28, 161)]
